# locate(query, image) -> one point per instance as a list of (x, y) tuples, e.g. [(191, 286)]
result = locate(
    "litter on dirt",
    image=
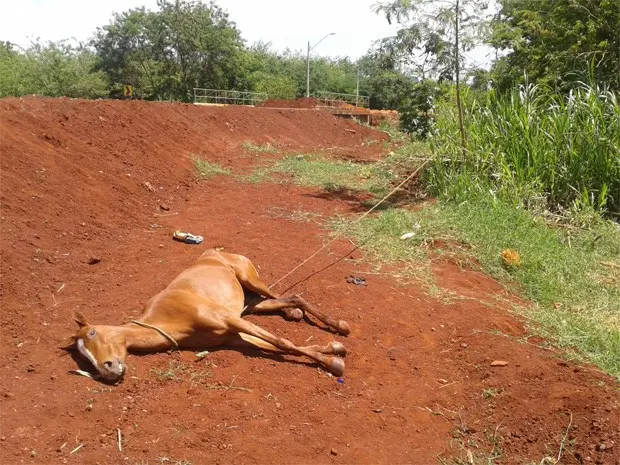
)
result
[(357, 281), (187, 237), (511, 257)]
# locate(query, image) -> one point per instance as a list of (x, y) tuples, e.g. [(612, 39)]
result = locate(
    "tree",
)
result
[(128, 49), (165, 54), (426, 45), (381, 80), (557, 42), (433, 37)]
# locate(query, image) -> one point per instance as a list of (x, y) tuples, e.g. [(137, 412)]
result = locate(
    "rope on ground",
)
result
[(167, 336), (341, 232)]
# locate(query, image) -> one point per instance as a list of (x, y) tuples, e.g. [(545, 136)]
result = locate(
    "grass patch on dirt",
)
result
[(178, 371), (571, 274), (195, 375), (163, 460), (330, 175), (206, 170), (266, 148)]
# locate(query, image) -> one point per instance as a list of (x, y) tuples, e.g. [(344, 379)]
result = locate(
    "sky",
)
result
[(283, 23)]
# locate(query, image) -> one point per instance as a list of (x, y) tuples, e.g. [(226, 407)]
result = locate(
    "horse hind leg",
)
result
[(296, 302), (294, 306), (332, 348), (246, 273), (333, 364), (254, 304)]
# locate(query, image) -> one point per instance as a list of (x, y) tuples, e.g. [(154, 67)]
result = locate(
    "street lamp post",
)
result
[(308, 62), (357, 89)]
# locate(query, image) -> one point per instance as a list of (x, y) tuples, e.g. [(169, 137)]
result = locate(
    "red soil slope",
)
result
[(73, 188)]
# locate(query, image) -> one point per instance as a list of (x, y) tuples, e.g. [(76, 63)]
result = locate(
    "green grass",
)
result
[(330, 175), (206, 170), (569, 273), (310, 170), (490, 393)]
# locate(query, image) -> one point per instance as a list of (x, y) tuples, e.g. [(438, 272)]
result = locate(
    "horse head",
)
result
[(104, 346)]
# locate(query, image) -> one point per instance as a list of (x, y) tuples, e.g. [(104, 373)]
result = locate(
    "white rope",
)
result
[(337, 236), (167, 336)]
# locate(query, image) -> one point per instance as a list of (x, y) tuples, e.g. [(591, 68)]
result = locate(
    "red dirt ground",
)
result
[(73, 188)]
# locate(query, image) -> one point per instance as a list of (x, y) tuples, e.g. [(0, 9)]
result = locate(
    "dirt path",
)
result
[(418, 380)]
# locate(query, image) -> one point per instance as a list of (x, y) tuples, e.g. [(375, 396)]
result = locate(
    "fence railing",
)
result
[(333, 99), (227, 97), (237, 97)]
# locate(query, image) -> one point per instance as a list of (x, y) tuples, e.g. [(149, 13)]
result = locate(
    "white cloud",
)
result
[(58, 19), (284, 23)]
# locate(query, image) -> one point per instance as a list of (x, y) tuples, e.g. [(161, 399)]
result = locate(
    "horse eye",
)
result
[(91, 333)]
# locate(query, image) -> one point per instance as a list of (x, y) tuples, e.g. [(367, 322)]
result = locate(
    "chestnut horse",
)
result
[(203, 308)]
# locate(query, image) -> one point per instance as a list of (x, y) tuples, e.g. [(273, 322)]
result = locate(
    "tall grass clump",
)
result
[(532, 148)]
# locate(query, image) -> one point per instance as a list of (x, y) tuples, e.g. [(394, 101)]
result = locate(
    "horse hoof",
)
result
[(336, 366), (337, 348), (343, 327), (294, 314)]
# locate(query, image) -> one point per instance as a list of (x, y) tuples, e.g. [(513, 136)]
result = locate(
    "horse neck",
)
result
[(143, 339)]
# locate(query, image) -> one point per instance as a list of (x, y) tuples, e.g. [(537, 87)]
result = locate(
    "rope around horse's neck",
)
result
[(160, 331), (341, 232)]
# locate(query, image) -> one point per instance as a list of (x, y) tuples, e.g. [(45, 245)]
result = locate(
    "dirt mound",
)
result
[(107, 180), (304, 102), (376, 116), (308, 102), (391, 117)]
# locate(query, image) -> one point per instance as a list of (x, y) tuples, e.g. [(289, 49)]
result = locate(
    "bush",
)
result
[(533, 149)]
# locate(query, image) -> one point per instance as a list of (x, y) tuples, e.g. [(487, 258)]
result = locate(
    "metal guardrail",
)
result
[(227, 97), (330, 100), (333, 99)]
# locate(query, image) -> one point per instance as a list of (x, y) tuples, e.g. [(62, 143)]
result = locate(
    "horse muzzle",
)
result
[(112, 370)]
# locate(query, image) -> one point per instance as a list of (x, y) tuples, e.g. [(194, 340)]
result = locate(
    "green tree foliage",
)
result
[(51, 69), (557, 42), (276, 87), (165, 54), (326, 74), (425, 45), (381, 79), (16, 72), (434, 35)]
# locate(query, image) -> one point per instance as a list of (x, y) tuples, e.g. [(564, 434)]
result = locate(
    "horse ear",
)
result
[(79, 319), (70, 346)]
